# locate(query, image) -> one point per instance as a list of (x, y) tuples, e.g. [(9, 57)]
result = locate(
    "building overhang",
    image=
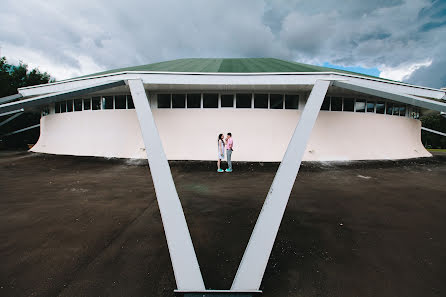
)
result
[(249, 82), (220, 81)]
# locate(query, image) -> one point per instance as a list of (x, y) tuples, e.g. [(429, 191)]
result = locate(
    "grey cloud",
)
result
[(430, 76), (115, 34)]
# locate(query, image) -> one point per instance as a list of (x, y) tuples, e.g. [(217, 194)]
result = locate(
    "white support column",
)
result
[(182, 253), (252, 267)]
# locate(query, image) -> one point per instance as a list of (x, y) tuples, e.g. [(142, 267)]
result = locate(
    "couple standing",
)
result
[(222, 144)]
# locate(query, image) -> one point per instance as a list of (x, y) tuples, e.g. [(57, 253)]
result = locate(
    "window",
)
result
[(63, 106), (403, 110), (326, 103), (57, 107), (130, 104), (389, 109), (178, 100), (380, 107), (210, 100), (370, 106), (107, 102), (336, 104), (193, 100), (276, 101), (415, 113), (45, 111), (96, 103), (349, 104), (243, 100), (120, 102), (260, 100), (227, 100), (396, 110), (78, 105), (164, 101), (291, 101), (360, 106), (87, 104), (69, 105)]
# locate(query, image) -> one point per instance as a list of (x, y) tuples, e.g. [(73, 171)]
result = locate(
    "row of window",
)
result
[(332, 103), (278, 101), (244, 100), (95, 103)]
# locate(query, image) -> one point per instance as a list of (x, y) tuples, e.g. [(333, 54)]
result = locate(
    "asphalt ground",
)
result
[(75, 226)]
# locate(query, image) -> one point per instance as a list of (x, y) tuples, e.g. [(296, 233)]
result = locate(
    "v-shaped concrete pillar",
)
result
[(184, 261), (252, 267), (182, 253)]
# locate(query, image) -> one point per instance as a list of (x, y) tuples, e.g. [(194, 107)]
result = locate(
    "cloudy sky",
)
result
[(396, 39)]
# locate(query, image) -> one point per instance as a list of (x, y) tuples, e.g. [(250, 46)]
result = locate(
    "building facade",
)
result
[(258, 100)]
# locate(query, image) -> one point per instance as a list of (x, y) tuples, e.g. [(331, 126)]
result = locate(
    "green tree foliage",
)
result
[(13, 77), (434, 122)]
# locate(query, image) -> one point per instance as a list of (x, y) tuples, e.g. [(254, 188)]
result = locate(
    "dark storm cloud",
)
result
[(75, 37)]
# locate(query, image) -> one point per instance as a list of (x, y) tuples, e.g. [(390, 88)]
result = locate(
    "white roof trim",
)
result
[(235, 74)]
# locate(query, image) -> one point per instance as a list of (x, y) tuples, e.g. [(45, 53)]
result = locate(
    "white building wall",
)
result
[(259, 135)]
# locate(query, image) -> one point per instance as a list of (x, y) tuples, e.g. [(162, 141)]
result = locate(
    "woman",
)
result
[(221, 151)]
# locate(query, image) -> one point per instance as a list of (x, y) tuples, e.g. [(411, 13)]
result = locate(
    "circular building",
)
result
[(260, 101)]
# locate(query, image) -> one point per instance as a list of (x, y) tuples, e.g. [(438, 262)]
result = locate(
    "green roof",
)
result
[(240, 65)]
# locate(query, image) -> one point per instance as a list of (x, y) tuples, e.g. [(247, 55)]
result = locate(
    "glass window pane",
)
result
[(57, 107), (243, 100), (260, 100), (403, 111), (210, 100), (178, 100), (193, 100), (163, 100), (87, 104), (396, 110), (227, 100), (370, 106), (120, 102), (276, 101), (360, 106), (96, 103), (291, 101), (389, 109), (336, 104), (69, 105), (349, 104), (107, 102), (77, 104), (380, 107), (326, 103), (130, 104), (63, 106)]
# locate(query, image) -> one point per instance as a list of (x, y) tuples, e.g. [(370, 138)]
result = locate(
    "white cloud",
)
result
[(402, 72)]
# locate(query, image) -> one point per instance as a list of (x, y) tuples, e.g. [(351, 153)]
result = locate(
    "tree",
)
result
[(434, 122), (13, 77)]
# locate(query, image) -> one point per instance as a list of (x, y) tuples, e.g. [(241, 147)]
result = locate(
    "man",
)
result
[(229, 145)]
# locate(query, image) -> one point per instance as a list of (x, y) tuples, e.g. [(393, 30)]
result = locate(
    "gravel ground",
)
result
[(75, 226)]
